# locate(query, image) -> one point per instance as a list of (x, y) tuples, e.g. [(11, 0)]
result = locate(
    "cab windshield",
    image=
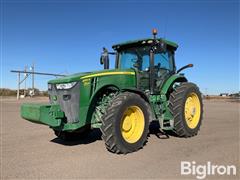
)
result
[(138, 58)]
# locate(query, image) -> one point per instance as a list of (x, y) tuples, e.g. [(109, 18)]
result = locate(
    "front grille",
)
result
[(68, 101)]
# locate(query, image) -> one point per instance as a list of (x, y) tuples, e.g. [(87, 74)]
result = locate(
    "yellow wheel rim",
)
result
[(192, 110), (132, 124)]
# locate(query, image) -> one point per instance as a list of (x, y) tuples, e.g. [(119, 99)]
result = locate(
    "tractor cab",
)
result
[(152, 59)]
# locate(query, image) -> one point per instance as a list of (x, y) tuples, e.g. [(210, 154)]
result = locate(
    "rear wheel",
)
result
[(186, 106), (125, 124)]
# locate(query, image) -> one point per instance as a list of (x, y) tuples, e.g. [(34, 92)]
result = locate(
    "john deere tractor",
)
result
[(143, 87)]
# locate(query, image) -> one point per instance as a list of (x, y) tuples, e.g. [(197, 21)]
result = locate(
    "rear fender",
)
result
[(167, 86), (166, 90)]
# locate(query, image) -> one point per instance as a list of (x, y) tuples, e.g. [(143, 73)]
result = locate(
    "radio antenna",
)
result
[(165, 28)]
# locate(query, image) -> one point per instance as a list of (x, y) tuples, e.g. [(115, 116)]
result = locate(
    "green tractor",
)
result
[(144, 87)]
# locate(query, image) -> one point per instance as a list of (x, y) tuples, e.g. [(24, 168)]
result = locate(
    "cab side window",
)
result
[(164, 60), (145, 63)]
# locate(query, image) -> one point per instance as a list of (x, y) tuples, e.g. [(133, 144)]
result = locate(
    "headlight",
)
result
[(66, 85), (49, 86)]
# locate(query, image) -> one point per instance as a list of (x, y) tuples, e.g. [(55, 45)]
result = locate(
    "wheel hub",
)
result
[(192, 110), (127, 125), (132, 126)]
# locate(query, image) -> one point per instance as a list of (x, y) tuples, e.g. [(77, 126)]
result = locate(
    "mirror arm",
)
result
[(151, 72), (106, 63), (185, 67)]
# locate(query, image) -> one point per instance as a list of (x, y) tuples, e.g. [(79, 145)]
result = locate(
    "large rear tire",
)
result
[(125, 124), (186, 106)]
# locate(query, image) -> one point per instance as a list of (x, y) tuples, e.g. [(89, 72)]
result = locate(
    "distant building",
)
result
[(31, 93), (224, 94), (235, 95)]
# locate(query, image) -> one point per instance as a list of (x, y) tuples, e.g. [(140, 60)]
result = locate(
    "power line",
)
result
[(38, 73), (27, 73)]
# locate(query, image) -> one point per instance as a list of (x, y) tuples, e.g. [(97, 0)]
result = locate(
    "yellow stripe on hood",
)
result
[(107, 73)]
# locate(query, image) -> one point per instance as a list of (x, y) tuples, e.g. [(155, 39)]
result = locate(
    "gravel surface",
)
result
[(32, 151)]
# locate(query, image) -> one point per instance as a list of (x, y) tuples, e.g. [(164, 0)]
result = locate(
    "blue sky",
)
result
[(68, 36)]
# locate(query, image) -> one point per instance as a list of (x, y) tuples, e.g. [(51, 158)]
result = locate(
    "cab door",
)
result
[(163, 68), (143, 74)]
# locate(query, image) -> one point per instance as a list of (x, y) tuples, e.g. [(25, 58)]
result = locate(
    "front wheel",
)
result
[(126, 123), (186, 106)]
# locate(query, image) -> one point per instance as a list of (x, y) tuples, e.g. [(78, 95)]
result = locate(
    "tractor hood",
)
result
[(79, 76)]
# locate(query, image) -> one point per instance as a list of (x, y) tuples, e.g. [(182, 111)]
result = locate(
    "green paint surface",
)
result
[(42, 113), (78, 76)]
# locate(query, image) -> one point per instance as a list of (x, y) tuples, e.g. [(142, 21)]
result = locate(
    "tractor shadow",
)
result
[(92, 136), (95, 135), (154, 129)]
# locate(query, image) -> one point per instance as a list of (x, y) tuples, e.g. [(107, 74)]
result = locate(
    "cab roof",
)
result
[(140, 42)]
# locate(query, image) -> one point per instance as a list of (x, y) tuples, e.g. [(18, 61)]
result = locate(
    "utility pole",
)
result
[(26, 75), (33, 79), (25, 82), (18, 90)]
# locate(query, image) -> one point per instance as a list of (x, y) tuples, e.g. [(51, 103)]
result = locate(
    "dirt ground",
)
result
[(31, 151)]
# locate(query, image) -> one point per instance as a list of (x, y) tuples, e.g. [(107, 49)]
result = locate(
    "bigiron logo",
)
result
[(201, 171)]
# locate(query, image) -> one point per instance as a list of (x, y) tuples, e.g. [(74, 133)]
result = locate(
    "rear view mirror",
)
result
[(104, 60)]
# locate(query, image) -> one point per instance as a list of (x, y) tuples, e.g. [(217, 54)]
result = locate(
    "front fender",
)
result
[(139, 92)]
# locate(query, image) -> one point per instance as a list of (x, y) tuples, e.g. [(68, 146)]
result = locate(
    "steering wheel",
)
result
[(163, 71)]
